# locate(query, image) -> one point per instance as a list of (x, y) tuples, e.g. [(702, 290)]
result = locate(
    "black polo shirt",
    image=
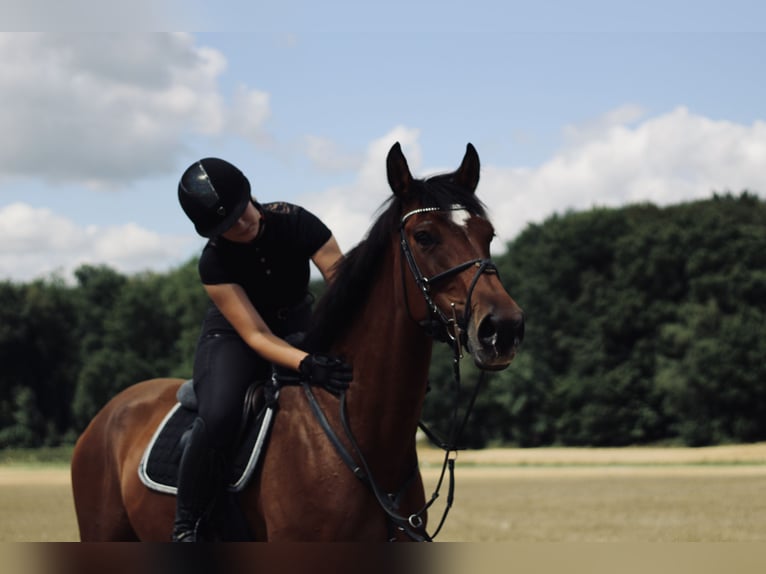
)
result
[(273, 269)]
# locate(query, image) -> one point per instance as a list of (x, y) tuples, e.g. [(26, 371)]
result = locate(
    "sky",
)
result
[(570, 105)]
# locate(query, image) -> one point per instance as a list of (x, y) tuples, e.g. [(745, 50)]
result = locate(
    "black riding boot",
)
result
[(200, 476)]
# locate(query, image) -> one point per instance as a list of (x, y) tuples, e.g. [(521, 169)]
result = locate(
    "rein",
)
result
[(411, 525), (438, 326), (443, 328)]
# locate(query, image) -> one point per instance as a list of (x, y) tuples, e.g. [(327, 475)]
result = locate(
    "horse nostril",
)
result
[(501, 333), (487, 332)]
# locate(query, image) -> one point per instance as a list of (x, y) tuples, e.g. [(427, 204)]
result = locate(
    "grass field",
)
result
[(515, 495)]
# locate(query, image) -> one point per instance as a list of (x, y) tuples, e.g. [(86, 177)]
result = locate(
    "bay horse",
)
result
[(422, 271)]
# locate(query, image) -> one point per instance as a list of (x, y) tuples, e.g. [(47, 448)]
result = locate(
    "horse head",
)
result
[(445, 238)]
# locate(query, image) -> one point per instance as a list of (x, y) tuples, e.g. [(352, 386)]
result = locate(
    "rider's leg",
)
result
[(224, 366), (199, 480)]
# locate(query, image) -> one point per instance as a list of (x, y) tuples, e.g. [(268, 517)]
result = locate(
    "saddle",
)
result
[(158, 468)]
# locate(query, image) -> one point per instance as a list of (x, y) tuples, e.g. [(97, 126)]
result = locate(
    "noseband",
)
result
[(439, 325)]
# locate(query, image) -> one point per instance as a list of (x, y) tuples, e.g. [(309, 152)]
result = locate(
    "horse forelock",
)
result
[(361, 267), (443, 192)]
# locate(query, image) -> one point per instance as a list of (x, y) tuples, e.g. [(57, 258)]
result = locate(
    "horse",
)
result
[(421, 273)]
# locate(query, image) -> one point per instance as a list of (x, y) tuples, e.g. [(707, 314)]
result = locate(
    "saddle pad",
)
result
[(158, 469)]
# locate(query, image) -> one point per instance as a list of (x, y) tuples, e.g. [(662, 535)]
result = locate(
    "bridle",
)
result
[(443, 328), (451, 330), (438, 324)]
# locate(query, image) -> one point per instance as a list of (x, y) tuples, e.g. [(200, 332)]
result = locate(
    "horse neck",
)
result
[(391, 355)]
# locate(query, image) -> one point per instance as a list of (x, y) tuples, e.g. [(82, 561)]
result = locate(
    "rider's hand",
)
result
[(329, 372)]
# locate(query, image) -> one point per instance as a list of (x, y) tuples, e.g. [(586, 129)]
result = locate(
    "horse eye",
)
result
[(424, 238)]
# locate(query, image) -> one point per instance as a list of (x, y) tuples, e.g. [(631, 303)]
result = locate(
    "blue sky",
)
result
[(570, 105)]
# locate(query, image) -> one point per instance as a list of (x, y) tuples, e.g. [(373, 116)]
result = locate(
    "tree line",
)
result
[(645, 325)]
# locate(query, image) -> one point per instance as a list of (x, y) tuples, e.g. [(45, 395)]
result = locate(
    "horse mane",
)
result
[(360, 269)]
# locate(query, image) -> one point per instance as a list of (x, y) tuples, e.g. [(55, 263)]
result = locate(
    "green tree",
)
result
[(644, 324), (185, 302), (39, 356), (28, 426)]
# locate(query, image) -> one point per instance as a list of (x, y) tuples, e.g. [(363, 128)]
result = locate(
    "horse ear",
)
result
[(467, 174), (399, 176)]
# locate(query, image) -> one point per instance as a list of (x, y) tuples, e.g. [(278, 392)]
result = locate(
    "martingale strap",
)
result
[(336, 442), (411, 525)]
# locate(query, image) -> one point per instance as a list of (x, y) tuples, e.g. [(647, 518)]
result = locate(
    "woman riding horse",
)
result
[(422, 272), (255, 269)]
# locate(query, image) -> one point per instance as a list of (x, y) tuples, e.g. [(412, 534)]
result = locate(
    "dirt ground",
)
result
[(729, 454), (516, 495)]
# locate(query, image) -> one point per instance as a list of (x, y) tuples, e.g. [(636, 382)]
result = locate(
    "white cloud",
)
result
[(103, 109), (612, 161), (667, 159), (596, 128), (36, 242)]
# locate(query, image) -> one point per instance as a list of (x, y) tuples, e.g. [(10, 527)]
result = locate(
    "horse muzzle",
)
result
[(494, 338)]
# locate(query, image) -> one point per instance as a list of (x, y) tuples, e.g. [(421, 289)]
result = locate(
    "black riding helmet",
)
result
[(213, 193)]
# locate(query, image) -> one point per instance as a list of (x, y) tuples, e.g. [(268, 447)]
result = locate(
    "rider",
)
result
[(255, 269)]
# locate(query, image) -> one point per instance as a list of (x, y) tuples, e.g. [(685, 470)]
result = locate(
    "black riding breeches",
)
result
[(224, 368)]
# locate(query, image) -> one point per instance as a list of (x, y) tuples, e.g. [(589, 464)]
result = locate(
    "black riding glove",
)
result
[(324, 371)]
